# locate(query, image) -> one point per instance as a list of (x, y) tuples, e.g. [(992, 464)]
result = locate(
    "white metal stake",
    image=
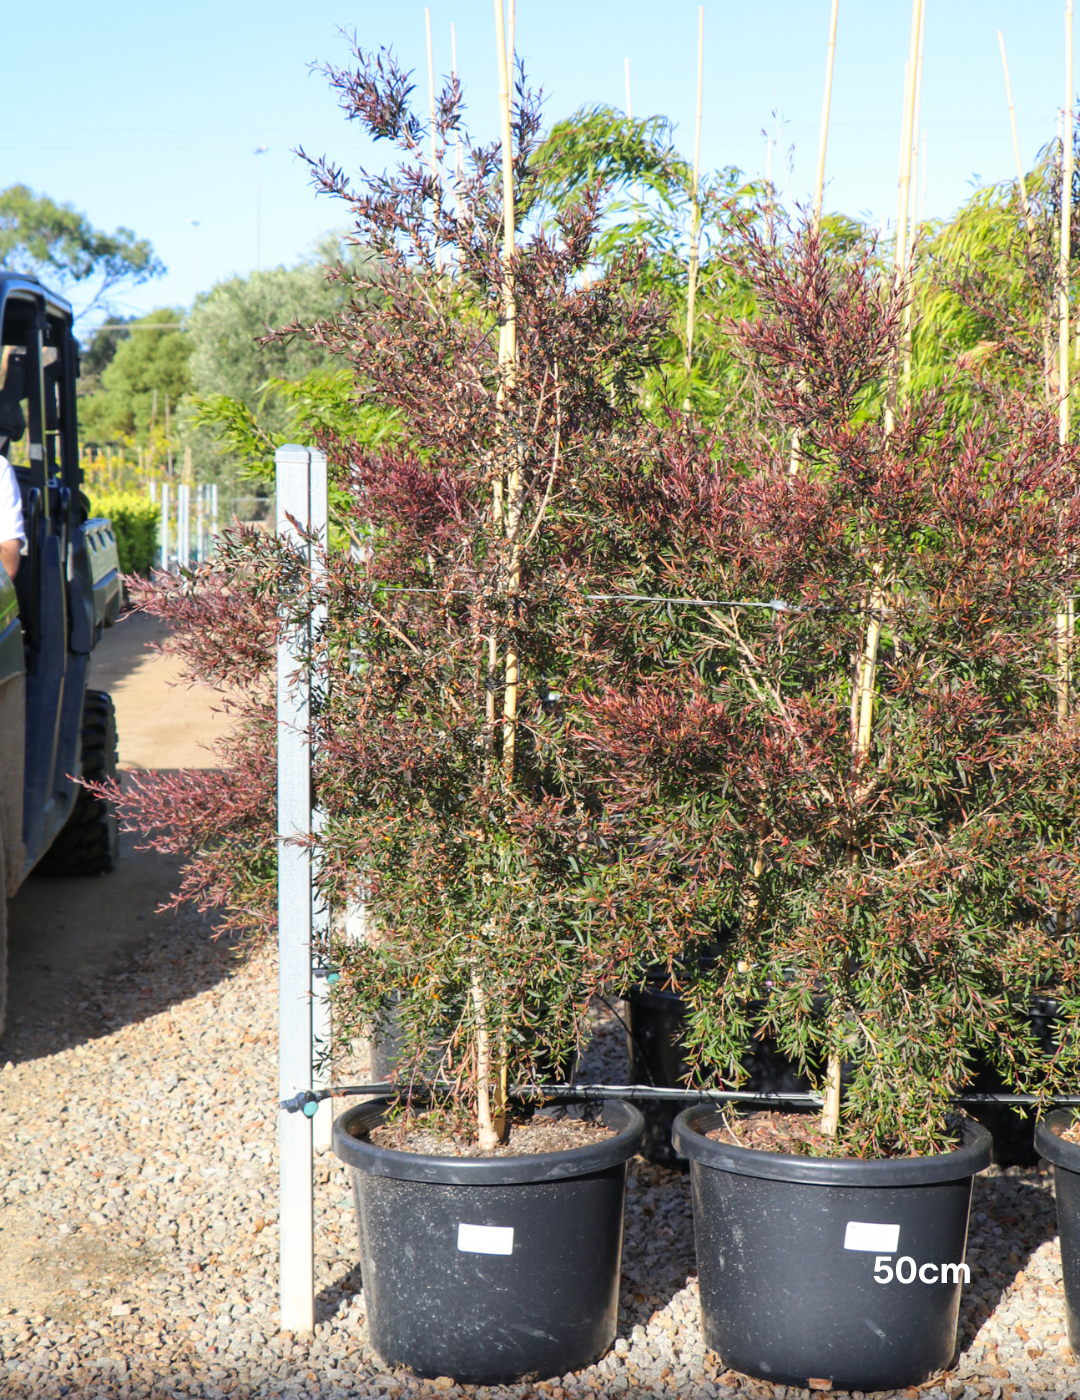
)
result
[(297, 1280), (214, 510), (165, 526), (200, 523), (183, 525), (323, 1121)]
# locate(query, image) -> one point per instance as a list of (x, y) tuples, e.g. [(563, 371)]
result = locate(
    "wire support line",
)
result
[(777, 605), (308, 1100)]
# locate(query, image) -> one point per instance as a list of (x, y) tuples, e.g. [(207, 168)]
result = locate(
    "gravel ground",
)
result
[(138, 1236)]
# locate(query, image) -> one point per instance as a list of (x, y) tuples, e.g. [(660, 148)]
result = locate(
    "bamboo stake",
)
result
[(457, 134), (1064, 623), (1066, 222), (1015, 139), (819, 193), (431, 107), (629, 110), (901, 258), (866, 670), (487, 1135), (695, 234), (826, 103), (507, 384), (916, 101)]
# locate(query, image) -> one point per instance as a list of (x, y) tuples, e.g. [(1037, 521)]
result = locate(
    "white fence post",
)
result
[(323, 1121), (200, 523), (183, 526), (165, 526), (297, 1281)]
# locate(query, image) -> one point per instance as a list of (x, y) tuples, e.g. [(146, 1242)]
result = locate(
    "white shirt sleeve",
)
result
[(11, 515)]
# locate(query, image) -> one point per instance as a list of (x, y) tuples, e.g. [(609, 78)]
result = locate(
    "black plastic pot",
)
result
[(1065, 1159), (490, 1269), (830, 1268), (656, 1027)]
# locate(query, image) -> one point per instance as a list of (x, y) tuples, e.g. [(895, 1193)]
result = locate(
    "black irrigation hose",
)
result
[(308, 1100)]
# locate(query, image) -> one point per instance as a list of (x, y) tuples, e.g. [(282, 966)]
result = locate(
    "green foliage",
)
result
[(648, 206), (150, 363), (60, 246), (986, 290), (136, 521), (599, 146), (233, 328), (245, 360), (323, 407)]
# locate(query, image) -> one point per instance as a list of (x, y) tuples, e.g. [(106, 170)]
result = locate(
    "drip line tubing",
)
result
[(308, 1100)]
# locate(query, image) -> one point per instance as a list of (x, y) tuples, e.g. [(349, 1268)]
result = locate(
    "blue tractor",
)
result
[(53, 729)]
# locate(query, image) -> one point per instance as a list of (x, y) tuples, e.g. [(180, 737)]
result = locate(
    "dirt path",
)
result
[(60, 929)]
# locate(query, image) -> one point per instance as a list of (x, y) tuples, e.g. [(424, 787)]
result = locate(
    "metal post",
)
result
[(200, 523), (213, 513), (297, 1282), (323, 1121), (183, 526), (165, 526)]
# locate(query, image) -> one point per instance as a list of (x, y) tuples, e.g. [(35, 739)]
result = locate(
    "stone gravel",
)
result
[(138, 1210)]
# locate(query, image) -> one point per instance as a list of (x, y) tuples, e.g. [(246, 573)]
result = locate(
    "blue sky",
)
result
[(148, 115)]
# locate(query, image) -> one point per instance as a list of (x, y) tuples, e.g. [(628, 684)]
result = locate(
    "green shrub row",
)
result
[(136, 520)]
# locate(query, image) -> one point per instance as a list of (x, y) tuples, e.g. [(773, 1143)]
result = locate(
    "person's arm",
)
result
[(12, 529)]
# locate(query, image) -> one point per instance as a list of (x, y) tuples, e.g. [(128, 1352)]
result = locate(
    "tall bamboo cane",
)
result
[(507, 384), (901, 259), (457, 134), (492, 1060), (1064, 387), (434, 155), (916, 102), (819, 191), (1064, 623), (862, 708), (1015, 139), (695, 232), (826, 103)]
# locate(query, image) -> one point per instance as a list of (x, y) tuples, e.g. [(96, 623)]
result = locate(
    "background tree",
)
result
[(149, 364), (60, 246)]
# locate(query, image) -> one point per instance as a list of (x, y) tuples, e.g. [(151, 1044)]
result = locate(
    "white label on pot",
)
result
[(875, 1239), (485, 1239)]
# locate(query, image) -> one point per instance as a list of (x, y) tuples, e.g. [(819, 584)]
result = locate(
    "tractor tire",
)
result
[(3, 944), (89, 842)]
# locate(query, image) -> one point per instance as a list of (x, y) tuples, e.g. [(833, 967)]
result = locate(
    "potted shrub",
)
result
[(456, 629), (850, 754)]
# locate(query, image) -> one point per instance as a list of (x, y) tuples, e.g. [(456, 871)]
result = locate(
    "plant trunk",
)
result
[(486, 1133), (830, 1113)]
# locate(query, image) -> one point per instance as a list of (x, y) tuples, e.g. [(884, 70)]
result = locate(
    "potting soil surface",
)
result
[(1072, 1132), (139, 1205), (798, 1133), (523, 1137)]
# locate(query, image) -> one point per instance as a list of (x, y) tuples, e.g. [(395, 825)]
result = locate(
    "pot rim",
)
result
[(1054, 1149), (623, 1117), (689, 1129)]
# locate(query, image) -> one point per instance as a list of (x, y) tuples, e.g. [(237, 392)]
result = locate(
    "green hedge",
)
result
[(136, 521)]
